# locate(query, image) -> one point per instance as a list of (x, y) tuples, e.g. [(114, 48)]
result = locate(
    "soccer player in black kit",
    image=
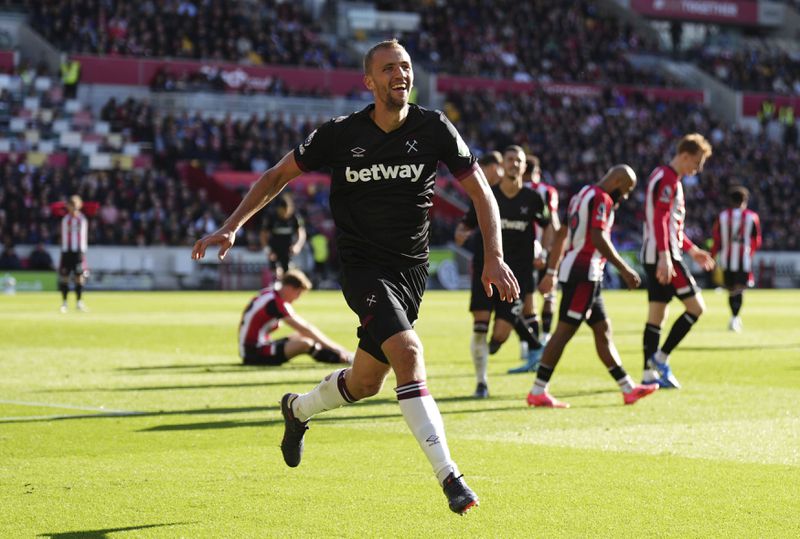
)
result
[(383, 162), (520, 207)]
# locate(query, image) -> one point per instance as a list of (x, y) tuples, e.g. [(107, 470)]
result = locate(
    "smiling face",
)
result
[(390, 76)]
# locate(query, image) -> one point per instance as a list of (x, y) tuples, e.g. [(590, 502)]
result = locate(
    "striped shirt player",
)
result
[(663, 246), (264, 314), (737, 237), (665, 212), (74, 244), (587, 237), (581, 270)]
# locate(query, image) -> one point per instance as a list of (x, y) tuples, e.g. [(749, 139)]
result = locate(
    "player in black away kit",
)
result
[(520, 207), (383, 162)]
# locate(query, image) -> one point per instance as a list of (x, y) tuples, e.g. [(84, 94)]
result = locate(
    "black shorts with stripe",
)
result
[(272, 353), (682, 285), (581, 300), (386, 301), (502, 309)]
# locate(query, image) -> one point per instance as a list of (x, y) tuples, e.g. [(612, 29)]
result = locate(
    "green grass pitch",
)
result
[(719, 458)]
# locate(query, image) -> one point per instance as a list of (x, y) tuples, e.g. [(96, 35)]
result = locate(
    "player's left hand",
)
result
[(547, 285), (704, 259), (631, 278), (497, 273), (222, 237)]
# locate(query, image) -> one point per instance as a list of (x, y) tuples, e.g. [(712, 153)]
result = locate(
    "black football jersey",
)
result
[(382, 184), (282, 232), (517, 216)]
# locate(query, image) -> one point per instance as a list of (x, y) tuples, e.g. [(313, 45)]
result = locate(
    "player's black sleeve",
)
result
[(454, 152), (315, 151)]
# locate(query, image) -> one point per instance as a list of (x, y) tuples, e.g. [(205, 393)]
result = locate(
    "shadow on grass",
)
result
[(193, 386), (726, 349), (122, 415), (318, 419), (102, 534)]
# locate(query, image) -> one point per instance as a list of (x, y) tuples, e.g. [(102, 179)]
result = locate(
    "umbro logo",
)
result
[(371, 300), (411, 146), (358, 151), (432, 440), (523, 210)]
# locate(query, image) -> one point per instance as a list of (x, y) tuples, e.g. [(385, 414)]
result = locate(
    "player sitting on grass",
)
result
[(588, 239), (263, 315)]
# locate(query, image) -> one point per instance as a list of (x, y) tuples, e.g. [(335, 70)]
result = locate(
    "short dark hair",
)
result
[(389, 43), (533, 162), (490, 158), (296, 279), (739, 195), (513, 148)]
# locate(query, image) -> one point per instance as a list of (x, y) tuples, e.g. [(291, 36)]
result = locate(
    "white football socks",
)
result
[(423, 418), (480, 356), (330, 393)]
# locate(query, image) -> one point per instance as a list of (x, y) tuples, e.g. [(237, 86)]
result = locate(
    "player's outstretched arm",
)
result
[(265, 189), (495, 271), (602, 242)]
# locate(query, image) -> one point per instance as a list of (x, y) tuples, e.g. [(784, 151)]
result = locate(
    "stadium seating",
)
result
[(539, 41), (274, 33)]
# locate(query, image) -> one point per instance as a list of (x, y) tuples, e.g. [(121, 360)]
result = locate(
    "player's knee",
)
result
[(696, 309), (364, 388), (602, 332)]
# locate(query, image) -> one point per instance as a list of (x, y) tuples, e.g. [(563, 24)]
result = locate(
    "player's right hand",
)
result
[(222, 237), (631, 278), (497, 273), (664, 270)]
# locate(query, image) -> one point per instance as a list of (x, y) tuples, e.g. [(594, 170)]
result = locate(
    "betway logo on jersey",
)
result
[(509, 224), (384, 172)]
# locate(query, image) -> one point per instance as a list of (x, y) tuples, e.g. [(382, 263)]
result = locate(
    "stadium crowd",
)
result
[(142, 207), (577, 140), (755, 69), (572, 42), (267, 32)]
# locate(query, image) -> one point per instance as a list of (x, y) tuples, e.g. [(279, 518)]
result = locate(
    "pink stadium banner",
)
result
[(722, 11), (6, 60), (447, 83), (751, 103), (140, 72)]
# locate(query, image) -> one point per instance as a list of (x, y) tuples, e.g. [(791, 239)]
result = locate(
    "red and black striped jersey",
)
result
[(737, 237), (590, 208)]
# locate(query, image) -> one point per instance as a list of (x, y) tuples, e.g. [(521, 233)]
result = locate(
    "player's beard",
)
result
[(392, 103)]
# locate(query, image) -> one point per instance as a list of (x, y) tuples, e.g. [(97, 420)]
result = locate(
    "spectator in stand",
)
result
[(39, 259), (9, 260)]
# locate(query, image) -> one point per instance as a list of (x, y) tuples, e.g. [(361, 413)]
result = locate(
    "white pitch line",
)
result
[(67, 407)]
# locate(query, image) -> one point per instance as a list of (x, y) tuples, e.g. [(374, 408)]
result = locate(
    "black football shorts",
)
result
[(386, 301)]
